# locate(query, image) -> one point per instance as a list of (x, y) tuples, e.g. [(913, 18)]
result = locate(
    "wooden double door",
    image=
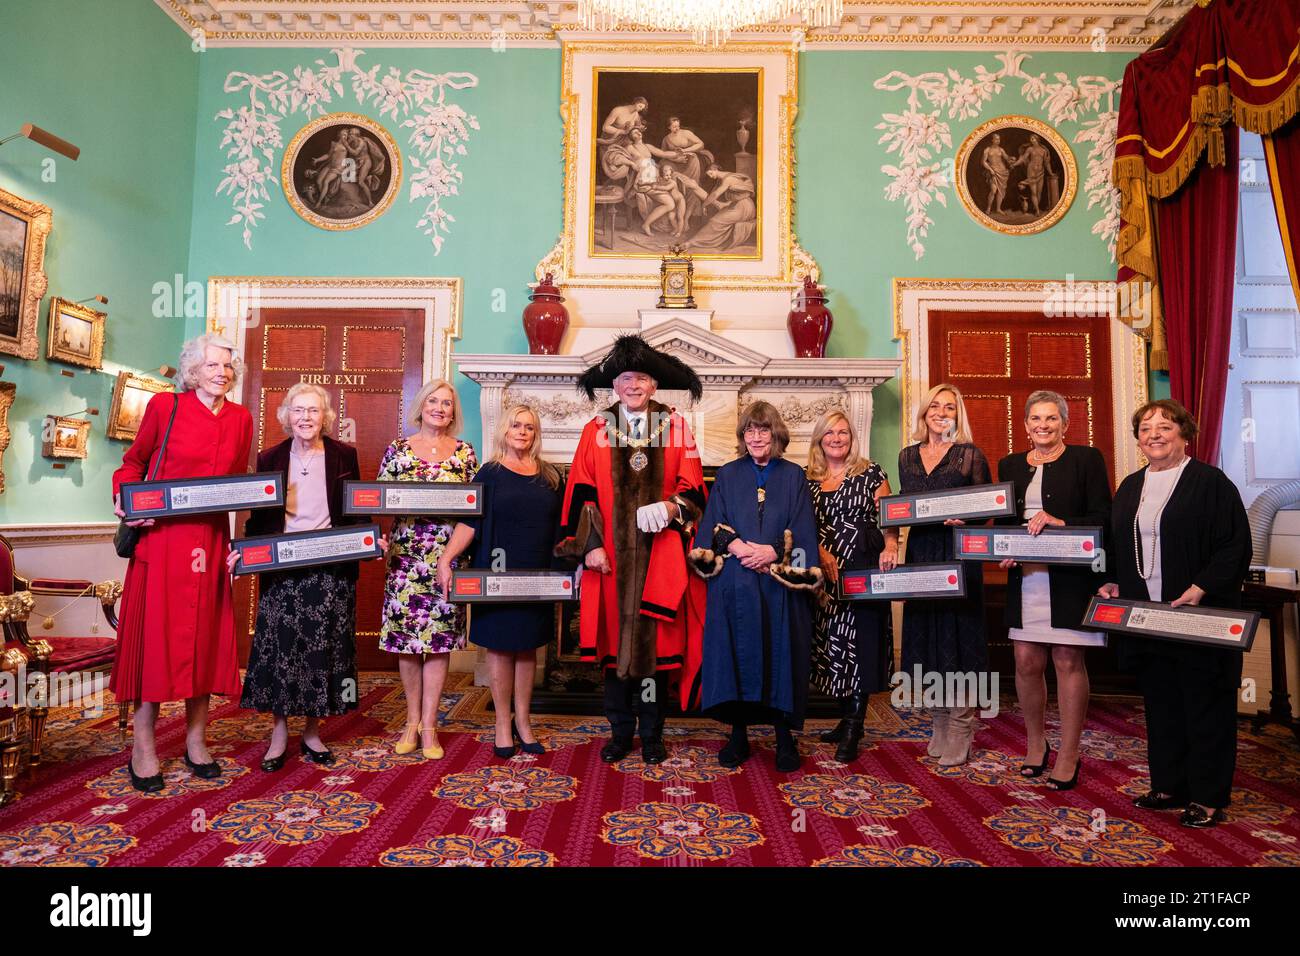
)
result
[(370, 362)]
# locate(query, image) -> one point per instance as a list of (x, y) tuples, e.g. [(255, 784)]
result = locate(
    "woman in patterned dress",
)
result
[(944, 636), (419, 624), (851, 640)]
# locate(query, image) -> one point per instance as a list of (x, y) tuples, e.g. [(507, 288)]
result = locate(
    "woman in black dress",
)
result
[(944, 636), (1179, 535), (303, 658), (852, 640), (520, 523)]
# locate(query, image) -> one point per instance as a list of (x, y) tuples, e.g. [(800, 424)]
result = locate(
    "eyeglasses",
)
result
[(300, 412), (758, 429)]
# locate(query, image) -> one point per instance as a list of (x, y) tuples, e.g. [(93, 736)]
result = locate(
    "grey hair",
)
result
[(1045, 395), (193, 354), (327, 414)]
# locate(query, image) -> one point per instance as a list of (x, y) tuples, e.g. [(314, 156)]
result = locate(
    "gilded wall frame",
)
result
[(75, 334), (1025, 137), (358, 161), (24, 227), (131, 393), (7, 392), (68, 437)]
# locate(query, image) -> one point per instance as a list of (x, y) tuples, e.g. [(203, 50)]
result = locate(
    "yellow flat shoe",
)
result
[(404, 746), (435, 752)]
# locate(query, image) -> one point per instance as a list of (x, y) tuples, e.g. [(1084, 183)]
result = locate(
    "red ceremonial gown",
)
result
[(177, 633), (647, 614)]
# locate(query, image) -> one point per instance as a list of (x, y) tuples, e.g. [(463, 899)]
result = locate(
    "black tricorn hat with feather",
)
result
[(631, 353)]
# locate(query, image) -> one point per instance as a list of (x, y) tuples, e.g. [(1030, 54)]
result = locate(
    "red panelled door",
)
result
[(370, 361)]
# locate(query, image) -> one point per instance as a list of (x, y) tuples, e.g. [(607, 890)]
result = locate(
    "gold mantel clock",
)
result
[(676, 274)]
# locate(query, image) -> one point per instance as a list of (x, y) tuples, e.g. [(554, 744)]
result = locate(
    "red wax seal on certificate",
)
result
[(269, 490), (566, 585), (856, 585), (367, 541), (1235, 629), (469, 498), (147, 500), (952, 579), (1001, 499), (1087, 546)]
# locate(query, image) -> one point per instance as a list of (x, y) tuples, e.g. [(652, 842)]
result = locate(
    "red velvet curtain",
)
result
[(1282, 151), (1196, 240)]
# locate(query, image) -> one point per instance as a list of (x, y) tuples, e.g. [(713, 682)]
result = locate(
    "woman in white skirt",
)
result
[(1057, 485)]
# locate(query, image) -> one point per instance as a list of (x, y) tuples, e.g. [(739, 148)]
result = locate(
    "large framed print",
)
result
[(668, 144), (1209, 626), (443, 498), (1074, 546), (302, 549), (939, 579), (24, 227), (935, 507), (193, 496), (510, 587)]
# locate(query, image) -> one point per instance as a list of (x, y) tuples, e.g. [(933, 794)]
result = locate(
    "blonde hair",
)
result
[(427, 389), (195, 352), (299, 388), (854, 464), (550, 474), (961, 427)]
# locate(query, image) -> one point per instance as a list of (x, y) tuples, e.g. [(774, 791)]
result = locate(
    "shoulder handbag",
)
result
[(125, 539)]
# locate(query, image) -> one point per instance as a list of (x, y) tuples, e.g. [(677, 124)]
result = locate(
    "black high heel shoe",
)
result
[(1066, 784), (1037, 770), (534, 748), (505, 753), (325, 757), (205, 771), (144, 784)]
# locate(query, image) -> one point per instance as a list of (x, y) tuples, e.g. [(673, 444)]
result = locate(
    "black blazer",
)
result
[(340, 465), (1204, 540), (1076, 489)]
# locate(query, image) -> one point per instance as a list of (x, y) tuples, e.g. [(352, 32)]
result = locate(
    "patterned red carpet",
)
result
[(892, 807)]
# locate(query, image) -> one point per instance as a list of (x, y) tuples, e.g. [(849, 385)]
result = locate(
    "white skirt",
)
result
[(1036, 614)]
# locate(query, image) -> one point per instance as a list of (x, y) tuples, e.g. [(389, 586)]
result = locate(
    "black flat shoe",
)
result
[(1066, 784), (325, 757), (534, 748), (1158, 801), (835, 734), (788, 759), (272, 764), (205, 771), (615, 750), (1199, 818), (144, 784), (732, 755), (1038, 769), (653, 751)]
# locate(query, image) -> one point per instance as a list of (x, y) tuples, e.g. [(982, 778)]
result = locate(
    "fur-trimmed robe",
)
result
[(648, 614)]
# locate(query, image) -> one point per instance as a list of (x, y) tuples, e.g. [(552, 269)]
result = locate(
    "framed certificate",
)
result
[(511, 587), (940, 579), (452, 499), (936, 507), (195, 496), (1211, 626), (1051, 546), (301, 549)]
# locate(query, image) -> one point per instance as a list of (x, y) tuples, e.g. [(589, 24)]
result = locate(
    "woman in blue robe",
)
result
[(757, 545)]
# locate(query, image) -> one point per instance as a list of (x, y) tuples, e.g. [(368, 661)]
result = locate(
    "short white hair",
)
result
[(194, 353), (327, 414)]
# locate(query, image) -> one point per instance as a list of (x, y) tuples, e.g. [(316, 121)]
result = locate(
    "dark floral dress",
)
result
[(851, 639), (417, 620)]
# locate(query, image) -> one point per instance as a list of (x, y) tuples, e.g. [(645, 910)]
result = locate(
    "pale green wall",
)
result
[(121, 86)]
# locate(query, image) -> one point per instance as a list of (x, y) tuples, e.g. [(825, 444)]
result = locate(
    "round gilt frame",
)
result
[(1068, 189), (291, 157)]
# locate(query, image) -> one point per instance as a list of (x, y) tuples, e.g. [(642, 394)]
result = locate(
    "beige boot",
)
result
[(961, 734), (938, 731)]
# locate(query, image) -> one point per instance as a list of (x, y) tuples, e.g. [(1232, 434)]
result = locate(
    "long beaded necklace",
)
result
[(1150, 565)]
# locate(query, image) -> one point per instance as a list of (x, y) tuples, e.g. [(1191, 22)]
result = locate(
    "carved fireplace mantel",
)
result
[(733, 376)]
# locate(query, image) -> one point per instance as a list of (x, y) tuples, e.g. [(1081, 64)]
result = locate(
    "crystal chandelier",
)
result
[(707, 20)]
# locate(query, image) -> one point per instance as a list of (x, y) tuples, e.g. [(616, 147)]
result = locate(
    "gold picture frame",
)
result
[(65, 437), (75, 334), (24, 227), (131, 393), (989, 177), (361, 171), (7, 392)]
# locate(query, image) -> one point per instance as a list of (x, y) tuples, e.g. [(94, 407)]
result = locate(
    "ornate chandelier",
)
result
[(707, 20)]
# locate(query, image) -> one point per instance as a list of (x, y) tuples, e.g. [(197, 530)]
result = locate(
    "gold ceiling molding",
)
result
[(939, 24)]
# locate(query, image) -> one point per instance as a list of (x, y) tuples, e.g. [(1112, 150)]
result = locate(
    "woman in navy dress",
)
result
[(520, 522), (757, 545), (944, 636)]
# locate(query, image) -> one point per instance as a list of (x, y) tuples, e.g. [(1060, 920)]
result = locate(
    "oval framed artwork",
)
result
[(341, 171), (1016, 175)]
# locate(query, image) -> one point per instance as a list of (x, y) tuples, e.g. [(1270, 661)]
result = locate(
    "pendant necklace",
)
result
[(639, 458), (305, 462)]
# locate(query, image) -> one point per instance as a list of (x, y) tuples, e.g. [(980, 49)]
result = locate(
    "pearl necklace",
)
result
[(1041, 459), (1155, 531)]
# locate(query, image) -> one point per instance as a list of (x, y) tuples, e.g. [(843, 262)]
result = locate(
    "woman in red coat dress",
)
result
[(177, 633)]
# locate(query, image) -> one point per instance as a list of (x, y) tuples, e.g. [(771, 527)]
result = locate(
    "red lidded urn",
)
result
[(810, 321), (545, 318)]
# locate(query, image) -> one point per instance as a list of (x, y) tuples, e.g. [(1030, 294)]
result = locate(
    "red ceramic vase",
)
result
[(545, 318), (810, 321)]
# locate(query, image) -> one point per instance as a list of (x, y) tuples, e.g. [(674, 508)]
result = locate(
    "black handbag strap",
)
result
[(162, 449)]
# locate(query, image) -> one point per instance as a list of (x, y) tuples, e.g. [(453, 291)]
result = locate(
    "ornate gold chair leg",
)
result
[(122, 713), (37, 717), (10, 753)]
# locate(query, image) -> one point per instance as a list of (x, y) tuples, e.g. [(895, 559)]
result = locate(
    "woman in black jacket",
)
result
[(1180, 536), (1057, 485)]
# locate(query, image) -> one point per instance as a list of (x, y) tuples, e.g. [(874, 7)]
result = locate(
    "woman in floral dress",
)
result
[(420, 625)]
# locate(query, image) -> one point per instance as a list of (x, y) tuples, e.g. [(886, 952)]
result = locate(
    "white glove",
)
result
[(652, 518)]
